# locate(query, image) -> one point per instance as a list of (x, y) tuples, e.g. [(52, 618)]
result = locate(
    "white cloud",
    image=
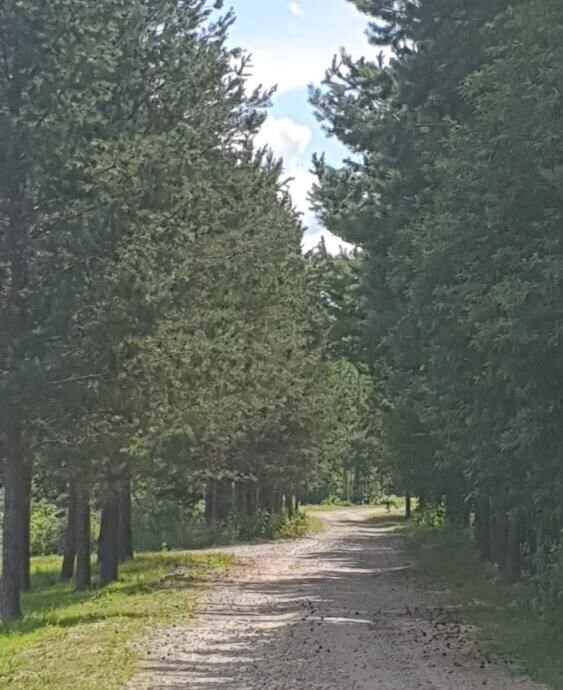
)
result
[(289, 140), (296, 9), (290, 68), (285, 137)]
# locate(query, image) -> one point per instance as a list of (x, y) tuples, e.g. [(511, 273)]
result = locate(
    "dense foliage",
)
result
[(161, 335), (454, 196)]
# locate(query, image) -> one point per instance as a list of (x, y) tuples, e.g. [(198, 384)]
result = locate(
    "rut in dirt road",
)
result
[(337, 611)]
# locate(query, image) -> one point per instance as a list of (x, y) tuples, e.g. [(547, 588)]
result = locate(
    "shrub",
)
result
[(47, 528)]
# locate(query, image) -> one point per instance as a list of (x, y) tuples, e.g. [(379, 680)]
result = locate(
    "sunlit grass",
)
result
[(71, 641)]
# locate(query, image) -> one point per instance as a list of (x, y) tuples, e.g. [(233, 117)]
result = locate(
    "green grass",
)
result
[(511, 629), (69, 640)]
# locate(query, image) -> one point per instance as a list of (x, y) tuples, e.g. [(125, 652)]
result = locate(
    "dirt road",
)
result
[(337, 611)]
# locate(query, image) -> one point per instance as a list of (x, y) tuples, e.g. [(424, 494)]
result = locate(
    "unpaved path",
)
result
[(332, 612)]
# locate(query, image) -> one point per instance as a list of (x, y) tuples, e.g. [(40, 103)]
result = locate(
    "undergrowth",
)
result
[(513, 628)]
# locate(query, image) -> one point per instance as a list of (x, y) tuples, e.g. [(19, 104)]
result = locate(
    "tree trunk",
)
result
[(267, 498), (421, 503), (483, 527), (101, 535), (223, 505), (82, 545), (109, 540), (26, 530), (457, 514), (289, 505), (277, 501), (500, 539), (240, 499), (357, 491), (14, 502), (408, 506), (125, 528), (69, 553), (211, 502), (251, 499), (347, 484), (532, 539), (514, 554)]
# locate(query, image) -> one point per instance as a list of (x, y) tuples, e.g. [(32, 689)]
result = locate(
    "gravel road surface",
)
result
[(336, 611)]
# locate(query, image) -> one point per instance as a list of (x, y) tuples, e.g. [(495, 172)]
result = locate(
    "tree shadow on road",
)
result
[(286, 632)]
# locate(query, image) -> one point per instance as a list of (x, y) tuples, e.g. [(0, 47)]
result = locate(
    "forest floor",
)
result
[(339, 610)]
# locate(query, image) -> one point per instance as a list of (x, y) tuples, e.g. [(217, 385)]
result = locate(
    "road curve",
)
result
[(337, 611)]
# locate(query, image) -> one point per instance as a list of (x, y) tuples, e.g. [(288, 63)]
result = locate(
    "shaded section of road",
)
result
[(337, 611)]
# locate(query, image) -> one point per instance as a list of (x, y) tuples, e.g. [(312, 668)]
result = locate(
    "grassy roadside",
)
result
[(69, 640), (511, 629)]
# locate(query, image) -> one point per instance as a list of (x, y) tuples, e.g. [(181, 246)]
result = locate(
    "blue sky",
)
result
[(292, 43)]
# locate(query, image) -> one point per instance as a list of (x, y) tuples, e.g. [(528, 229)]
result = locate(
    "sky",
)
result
[(292, 43)]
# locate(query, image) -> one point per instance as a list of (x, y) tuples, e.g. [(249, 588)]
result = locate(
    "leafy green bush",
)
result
[(429, 517), (335, 501), (47, 528), (187, 529)]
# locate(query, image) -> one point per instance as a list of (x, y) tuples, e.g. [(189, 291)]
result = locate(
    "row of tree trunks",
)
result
[(77, 542), (115, 544), (222, 498), (501, 531)]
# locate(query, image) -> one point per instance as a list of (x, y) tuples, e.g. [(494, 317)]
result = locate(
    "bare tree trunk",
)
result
[(211, 502), (125, 528), (240, 498), (457, 513), (267, 499), (357, 490), (483, 527), (221, 500), (69, 553), (109, 541), (408, 505), (82, 544), (514, 544), (26, 530), (252, 499), (500, 539), (14, 500), (289, 504)]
